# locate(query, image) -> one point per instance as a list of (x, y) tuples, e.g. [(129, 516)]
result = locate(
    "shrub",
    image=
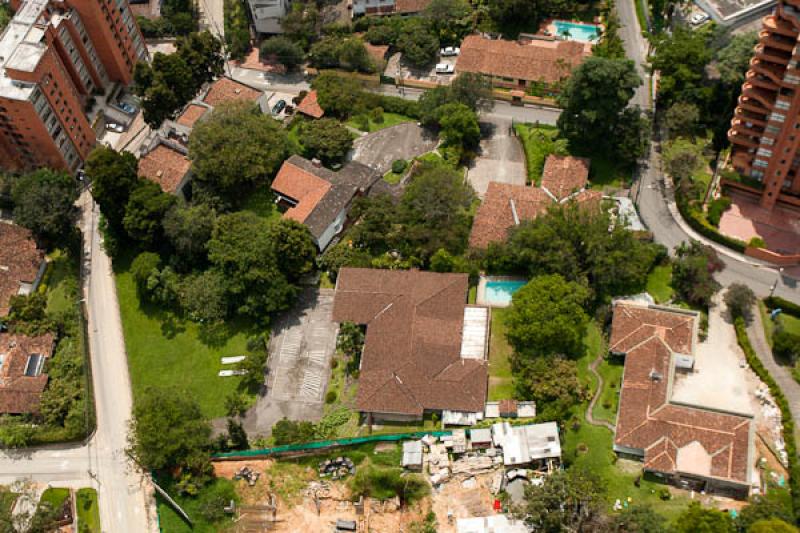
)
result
[(376, 115), (362, 122), (756, 242), (399, 165), (716, 208), (776, 302), (330, 397), (785, 345), (740, 300), (664, 494)]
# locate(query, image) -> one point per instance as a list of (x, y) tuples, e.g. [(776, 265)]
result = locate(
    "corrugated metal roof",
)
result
[(473, 341)]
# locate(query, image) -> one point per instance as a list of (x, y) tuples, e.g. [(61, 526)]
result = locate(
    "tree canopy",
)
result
[(44, 203), (552, 382), (146, 208), (568, 500), (325, 139), (114, 177), (693, 273), (284, 50), (699, 519)]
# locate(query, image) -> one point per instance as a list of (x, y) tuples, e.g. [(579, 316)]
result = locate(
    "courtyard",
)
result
[(745, 220)]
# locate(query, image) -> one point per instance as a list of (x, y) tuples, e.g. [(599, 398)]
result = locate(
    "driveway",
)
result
[(404, 141), (501, 157), (301, 347)]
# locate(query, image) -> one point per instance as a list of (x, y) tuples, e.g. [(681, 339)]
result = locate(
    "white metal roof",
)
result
[(473, 339)]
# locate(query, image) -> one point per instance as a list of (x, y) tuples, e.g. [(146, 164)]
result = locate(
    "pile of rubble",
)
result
[(338, 468), (248, 474)]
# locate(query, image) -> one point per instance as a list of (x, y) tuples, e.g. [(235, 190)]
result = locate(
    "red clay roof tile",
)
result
[(20, 261)]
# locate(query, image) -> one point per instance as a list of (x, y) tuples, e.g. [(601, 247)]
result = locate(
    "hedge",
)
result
[(705, 229), (790, 308), (783, 405)]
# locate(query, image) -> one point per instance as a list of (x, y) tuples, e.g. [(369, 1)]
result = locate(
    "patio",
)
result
[(779, 228)]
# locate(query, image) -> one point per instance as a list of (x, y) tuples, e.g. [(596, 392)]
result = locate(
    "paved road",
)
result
[(635, 48), (102, 463), (404, 141), (212, 17)]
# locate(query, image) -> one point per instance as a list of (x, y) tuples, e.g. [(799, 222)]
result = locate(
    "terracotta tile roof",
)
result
[(412, 352), (495, 215), (547, 61), (377, 52), (166, 166), (20, 261), (564, 175), (321, 194), (674, 438), (410, 6), (309, 106), (21, 382), (191, 114), (226, 90)]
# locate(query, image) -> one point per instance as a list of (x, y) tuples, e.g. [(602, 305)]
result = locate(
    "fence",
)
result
[(319, 446)]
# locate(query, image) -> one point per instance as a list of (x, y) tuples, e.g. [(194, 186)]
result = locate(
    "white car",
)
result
[(698, 18), (113, 126), (444, 68), (450, 51)]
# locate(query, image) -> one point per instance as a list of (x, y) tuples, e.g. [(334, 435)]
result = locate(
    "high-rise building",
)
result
[(54, 55), (765, 130)]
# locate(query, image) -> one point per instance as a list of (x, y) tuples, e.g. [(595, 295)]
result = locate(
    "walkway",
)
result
[(590, 410), (781, 374)]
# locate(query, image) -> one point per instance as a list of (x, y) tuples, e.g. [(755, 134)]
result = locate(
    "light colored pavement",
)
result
[(501, 157), (404, 141), (102, 463), (636, 48), (212, 17)]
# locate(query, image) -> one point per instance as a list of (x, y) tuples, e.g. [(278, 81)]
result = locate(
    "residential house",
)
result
[(22, 263), (309, 106), (389, 7), (228, 90), (318, 197), (689, 446), (269, 14), (523, 63), (422, 351), (537, 445), (22, 380), (167, 163), (505, 205)]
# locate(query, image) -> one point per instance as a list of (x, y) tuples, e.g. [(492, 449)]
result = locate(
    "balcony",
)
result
[(773, 55), (779, 25), (743, 127), (735, 136), (753, 105), (760, 80), (759, 119), (775, 40), (765, 97), (773, 72)]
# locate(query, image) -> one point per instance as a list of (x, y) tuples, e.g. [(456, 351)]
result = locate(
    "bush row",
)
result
[(693, 218), (783, 405), (790, 308)]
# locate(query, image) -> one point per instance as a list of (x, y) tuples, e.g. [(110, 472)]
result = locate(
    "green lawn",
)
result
[(7, 500), (167, 351), (659, 283), (262, 203), (389, 120), (171, 522), (605, 172), (88, 511), (790, 323), (55, 497), (501, 384), (431, 157), (611, 371), (538, 143), (60, 282), (391, 177)]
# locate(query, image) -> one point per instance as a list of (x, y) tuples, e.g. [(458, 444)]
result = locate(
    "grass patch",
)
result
[(431, 157), (790, 323), (538, 142), (60, 282), (261, 202), (473, 294), (54, 497), (641, 16), (7, 501), (605, 172), (88, 511), (659, 283), (325, 281), (165, 350), (391, 177), (389, 120), (501, 383), (611, 371), (430, 422), (171, 522)]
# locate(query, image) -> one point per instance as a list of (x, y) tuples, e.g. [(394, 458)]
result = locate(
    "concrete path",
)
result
[(501, 158), (781, 374), (404, 141)]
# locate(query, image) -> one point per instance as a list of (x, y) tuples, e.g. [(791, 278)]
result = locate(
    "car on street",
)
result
[(444, 68), (450, 51), (128, 108), (116, 128), (278, 107), (698, 18)]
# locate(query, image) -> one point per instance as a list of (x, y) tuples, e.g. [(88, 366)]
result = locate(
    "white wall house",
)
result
[(363, 7), (268, 14)]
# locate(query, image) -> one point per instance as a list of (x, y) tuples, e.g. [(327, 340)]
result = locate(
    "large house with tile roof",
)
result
[(22, 377), (424, 349), (22, 263), (689, 446), (167, 163)]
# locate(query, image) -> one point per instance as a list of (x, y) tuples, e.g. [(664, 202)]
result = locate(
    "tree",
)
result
[(301, 23), (343, 254), (693, 273), (610, 44), (552, 382), (285, 51), (681, 58), (291, 432), (113, 176), (772, 525), (638, 519), (740, 301), (146, 208), (785, 345), (338, 96), (168, 429), (568, 500), (294, 248), (547, 317), (434, 211), (595, 114), (418, 43), (204, 297), (237, 436), (733, 60), (142, 268), (44, 203), (682, 119), (236, 147), (167, 84), (15, 433), (459, 126), (472, 90), (188, 228), (682, 159), (353, 55), (202, 53), (513, 12), (762, 507), (699, 519), (325, 139), (452, 19)]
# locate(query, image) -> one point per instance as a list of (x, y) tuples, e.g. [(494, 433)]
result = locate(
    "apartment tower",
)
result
[(54, 55), (765, 130)]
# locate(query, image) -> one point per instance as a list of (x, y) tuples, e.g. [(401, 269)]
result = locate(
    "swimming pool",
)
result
[(499, 292), (575, 31)]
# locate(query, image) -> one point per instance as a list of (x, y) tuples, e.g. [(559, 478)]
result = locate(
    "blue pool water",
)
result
[(500, 292), (577, 32)]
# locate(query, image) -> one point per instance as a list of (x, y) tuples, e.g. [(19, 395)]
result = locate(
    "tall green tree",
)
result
[(146, 208), (284, 50), (202, 53), (188, 229), (164, 86), (682, 158), (338, 96), (114, 177), (552, 382), (459, 126), (699, 519), (294, 248), (236, 148), (568, 500), (44, 203), (638, 519), (452, 19), (326, 139), (548, 317), (680, 59), (596, 115), (418, 43), (693, 273)]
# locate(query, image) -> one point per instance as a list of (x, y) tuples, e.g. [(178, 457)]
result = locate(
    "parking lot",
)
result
[(396, 67), (302, 344)]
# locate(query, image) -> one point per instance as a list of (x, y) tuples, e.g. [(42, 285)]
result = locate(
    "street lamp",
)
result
[(775, 285)]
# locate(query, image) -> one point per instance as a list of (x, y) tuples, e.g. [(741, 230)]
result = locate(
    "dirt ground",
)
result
[(453, 497)]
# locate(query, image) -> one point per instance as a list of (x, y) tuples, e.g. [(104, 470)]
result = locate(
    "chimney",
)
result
[(316, 162)]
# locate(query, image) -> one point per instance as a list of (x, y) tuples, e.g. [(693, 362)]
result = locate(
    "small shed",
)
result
[(412, 455), (459, 441), (480, 438), (508, 408)]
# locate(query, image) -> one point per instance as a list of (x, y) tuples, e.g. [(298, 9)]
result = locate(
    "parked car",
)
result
[(450, 51), (128, 108), (278, 107), (116, 128), (444, 68), (698, 18)]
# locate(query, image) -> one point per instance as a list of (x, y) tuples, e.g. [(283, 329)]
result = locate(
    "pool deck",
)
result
[(480, 295), (549, 28)]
